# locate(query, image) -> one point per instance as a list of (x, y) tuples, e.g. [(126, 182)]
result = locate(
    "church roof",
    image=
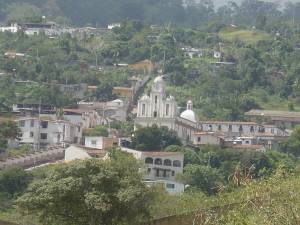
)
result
[(189, 115)]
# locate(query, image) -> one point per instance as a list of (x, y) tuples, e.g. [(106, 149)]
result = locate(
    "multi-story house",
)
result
[(47, 131), (161, 168)]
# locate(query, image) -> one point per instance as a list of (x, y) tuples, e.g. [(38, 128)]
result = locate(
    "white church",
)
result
[(162, 110)]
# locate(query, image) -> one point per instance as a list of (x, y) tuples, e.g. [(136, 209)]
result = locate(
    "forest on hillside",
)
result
[(180, 12)]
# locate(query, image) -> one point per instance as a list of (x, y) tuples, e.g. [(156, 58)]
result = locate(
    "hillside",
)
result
[(103, 12)]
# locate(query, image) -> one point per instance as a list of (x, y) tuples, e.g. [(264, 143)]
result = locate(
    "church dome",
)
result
[(189, 115)]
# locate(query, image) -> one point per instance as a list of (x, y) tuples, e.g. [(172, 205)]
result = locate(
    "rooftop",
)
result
[(270, 113), (228, 122), (162, 154)]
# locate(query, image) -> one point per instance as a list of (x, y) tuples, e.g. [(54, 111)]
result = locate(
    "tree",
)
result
[(292, 144), (154, 138), (23, 12), (92, 192), (14, 181), (205, 178), (97, 131), (8, 130)]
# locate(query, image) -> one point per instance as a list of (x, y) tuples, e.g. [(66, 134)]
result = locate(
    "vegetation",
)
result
[(91, 192), (259, 68), (8, 130), (97, 131), (154, 138)]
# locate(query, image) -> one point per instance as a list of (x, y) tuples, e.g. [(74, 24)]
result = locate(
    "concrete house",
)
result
[(46, 131)]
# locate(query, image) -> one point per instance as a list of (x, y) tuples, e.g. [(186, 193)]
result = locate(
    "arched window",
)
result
[(167, 162), (176, 163), (149, 160), (158, 161)]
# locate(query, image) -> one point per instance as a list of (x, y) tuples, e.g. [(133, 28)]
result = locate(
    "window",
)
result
[(22, 123), (44, 124), (210, 127), (167, 109), (272, 131), (251, 129), (219, 127), (173, 173), (247, 142), (199, 139), (149, 170), (149, 161), (155, 114), (155, 99), (143, 109), (158, 161), (167, 162), (230, 127), (241, 129), (177, 163), (32, 123), (170, 186), (44, 136), (94, 142), (165, 173), (31, 134)]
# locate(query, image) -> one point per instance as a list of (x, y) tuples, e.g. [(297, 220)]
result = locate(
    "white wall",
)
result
[(73, 153), (94, 142)]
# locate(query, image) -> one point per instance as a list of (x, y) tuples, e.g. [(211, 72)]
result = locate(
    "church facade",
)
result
[(161, 110)]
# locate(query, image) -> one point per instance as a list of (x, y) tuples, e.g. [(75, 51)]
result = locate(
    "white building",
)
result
[(161, 168), (13, 28), (103, 143), (113, 25), (161, 110), (192, 52), (48, 131)]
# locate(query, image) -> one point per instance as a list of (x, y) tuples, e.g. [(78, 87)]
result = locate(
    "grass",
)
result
[(246, 36), (24, 150)]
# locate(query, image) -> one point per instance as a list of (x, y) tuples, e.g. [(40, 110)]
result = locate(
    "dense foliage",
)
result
[(14, 181), (154, 138), (8, 130), (90, 192), (212, 169)]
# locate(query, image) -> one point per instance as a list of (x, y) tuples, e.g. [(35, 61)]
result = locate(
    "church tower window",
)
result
[(143, 109), (167, 109)]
